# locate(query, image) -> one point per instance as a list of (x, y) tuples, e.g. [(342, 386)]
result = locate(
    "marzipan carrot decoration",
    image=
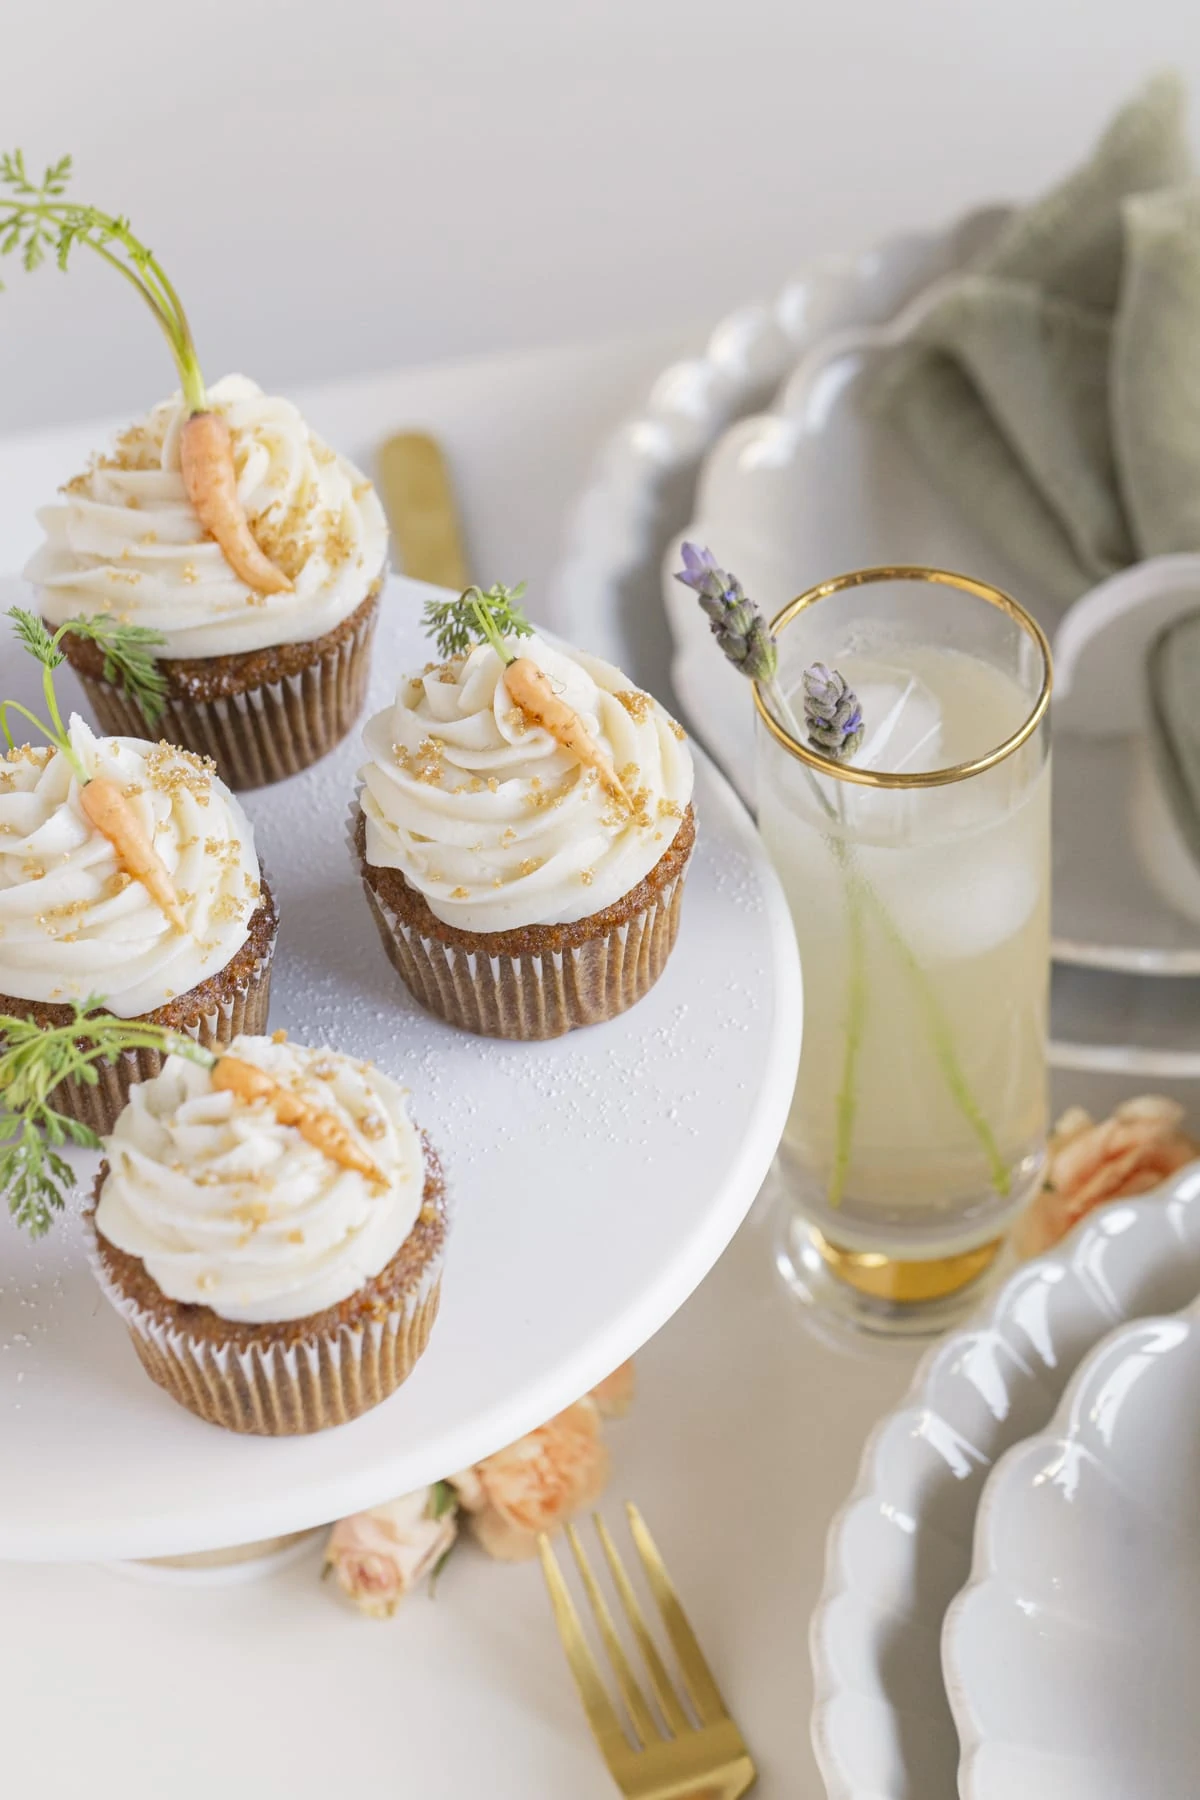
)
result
[(103, 803), (532, 690), (320, 1128), (36, 220), (494, 616), (206, 462)]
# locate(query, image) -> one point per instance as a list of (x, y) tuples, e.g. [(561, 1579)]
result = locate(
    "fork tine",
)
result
[(702, 1689), (602, 1717), (677, 1720), (644, 1724)]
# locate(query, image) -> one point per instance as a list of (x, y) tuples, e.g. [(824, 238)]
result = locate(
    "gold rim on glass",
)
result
[(982, 590)]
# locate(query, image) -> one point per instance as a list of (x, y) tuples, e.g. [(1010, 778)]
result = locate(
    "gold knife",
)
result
[(414, 484)]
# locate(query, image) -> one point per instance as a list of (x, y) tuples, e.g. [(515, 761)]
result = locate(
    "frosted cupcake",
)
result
[(264, 683), (523, 829), (271, 1230), (127, 869), (223, 524)]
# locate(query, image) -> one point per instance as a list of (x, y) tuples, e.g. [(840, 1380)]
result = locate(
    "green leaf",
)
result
[(34, 1178), (477, 616), (35, 638), (442, 1499), (128, 660)]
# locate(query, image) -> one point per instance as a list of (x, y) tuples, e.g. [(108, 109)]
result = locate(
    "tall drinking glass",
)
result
[(918, 876)]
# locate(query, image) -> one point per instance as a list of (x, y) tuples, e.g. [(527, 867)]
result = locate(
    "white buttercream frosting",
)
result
[(125, 539), (493, 821), (229, 1209), (72, 921)]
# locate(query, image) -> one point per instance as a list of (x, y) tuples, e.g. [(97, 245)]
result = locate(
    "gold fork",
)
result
[(661, 1752)]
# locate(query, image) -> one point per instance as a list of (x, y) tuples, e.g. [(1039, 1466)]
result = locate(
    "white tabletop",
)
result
[(745, 1437)]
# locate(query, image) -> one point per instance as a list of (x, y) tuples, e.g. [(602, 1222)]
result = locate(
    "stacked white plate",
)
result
[(818, 484), (1067, 1660)]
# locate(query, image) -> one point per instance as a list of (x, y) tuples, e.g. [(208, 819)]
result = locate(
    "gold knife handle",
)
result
[(419, 501)]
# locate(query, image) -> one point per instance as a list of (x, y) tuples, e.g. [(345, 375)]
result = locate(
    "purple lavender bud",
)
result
[(737, 624), (831, 712)]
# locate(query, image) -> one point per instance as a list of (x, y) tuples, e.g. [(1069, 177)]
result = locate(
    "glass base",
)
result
[(855, 1295)]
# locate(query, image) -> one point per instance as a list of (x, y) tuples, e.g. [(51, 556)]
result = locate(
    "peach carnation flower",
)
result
[(1088, 1164), (536, 1484)]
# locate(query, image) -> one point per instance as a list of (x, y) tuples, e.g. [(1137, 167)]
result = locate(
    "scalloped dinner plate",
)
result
[(901, 1548), (1072, 1659), (605, 591), (822, 484)]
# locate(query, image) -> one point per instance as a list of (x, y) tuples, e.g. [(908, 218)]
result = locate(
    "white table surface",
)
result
[(745, 1437)]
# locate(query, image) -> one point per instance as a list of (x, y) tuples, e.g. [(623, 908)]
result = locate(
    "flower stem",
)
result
[(943, 1044), (846, 1104)]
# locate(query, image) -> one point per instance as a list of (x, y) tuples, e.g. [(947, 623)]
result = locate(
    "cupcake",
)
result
[(264, 683), (271, 1228), (75, 924), (523, 828), (222, 524)]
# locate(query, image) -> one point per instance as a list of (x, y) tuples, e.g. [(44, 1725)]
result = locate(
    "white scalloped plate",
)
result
[(606, 588), (821, 484), (900, 1549), (1072, 1658)]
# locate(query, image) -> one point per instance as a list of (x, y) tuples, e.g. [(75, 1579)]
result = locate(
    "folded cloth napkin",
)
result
[(1173, 683), (1052, 390)]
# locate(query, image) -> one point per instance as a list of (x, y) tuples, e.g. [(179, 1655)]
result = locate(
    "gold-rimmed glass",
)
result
[(918, 877)]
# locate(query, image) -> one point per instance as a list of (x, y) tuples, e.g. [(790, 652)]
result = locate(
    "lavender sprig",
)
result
[(832, 713), (737, 624)]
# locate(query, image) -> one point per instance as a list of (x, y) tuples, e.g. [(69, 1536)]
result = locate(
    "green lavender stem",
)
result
[(846, 1104), (943, 1044), (858, 890)]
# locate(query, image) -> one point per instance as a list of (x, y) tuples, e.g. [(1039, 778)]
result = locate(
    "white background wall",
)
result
[(342, 185)]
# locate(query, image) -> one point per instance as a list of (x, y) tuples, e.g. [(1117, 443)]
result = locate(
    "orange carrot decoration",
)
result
[(532, 690), (210, 479), (492, 617), (42, 226), (106, 807), (319, 1128), (101, 799)]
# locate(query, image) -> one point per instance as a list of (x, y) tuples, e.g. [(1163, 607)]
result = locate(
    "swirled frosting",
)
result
[(125, 539), (493, 821), (72, 921), (229, 1209)]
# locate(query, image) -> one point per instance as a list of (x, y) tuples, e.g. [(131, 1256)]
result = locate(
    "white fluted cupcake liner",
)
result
[(531, 996), (278, 1389), (265, 732)]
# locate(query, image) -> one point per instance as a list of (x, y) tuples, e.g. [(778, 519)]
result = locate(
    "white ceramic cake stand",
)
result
[(595, 1180)]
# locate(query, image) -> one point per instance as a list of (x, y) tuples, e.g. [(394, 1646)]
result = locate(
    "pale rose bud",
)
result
[(380, 1555), (536, 1484), (1088, 1164)]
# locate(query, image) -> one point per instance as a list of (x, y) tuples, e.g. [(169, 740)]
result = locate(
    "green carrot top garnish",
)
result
[(102, 799), (34, 1177), (489, 616), (477, 616), (127, 662), (34, 1059), (37, 222)]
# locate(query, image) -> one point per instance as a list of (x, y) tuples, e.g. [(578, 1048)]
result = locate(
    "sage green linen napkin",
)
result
[(1053, 389)]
